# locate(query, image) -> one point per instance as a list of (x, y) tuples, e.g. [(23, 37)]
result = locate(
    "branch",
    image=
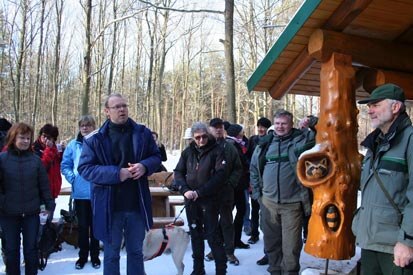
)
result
[(179, 10), (113, 22)]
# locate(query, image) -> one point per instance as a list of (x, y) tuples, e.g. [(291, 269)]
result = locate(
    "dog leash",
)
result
[(179, 214)]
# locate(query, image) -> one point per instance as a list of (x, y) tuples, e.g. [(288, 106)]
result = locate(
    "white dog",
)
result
[(169, 240)]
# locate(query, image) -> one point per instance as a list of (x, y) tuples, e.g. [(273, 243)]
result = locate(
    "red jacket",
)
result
[(51, 159)]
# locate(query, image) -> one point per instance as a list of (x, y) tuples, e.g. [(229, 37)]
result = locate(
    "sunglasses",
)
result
[(201, 137)]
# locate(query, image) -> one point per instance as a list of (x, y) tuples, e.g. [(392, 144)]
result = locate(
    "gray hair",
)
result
[(199, 127), (402, 105), (87, 119), (106, 103), (282, 112)]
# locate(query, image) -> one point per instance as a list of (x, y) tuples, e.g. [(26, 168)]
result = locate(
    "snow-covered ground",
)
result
[(63, 262)]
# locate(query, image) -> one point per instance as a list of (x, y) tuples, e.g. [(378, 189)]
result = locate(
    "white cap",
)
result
[(270, 129), (188, 134)]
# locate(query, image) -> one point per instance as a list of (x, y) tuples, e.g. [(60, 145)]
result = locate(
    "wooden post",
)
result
[(332, 168)]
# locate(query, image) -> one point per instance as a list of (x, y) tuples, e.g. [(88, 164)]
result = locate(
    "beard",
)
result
[(383, 120)]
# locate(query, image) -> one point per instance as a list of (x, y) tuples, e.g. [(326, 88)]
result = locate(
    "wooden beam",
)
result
[(368, 79), (341, 17), (345, 14), (370, 52), (292, 74)]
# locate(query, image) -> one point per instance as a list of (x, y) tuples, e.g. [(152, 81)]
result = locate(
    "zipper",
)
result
[(140, 189), (278, 172)]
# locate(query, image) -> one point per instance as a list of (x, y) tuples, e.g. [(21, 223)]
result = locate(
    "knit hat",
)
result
[(264, 122), (234, 130), (385, 91), (5, 125)]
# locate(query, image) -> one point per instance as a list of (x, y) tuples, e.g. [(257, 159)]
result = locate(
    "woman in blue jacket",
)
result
[(81, 195)]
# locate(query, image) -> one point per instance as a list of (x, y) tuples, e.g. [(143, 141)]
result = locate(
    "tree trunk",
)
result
[(113, 54), (229, 59), (87, 66), (19, 66), (38, 65), (57, 60)]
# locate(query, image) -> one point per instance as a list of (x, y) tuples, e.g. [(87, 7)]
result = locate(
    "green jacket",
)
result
[(279, 166), (376, 223)]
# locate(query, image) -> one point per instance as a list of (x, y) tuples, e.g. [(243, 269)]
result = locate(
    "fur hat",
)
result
[(234, 130), (264, 122)]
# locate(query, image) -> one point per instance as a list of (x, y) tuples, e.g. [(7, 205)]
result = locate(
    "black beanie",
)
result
[(264, 122), (226, 125), (234, 130), (5, 125)]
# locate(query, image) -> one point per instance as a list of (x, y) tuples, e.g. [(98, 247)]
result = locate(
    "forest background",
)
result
[(177, 62)]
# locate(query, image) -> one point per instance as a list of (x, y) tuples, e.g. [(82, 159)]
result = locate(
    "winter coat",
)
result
[(24, 185), (80, 186), (97, 166), (376, 224), (243, 182), (273, 168), (233, 170), (201, 170), (51, 159)]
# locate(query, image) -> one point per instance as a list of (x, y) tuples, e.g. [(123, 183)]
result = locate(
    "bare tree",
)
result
[(87, 66), (56, 73)]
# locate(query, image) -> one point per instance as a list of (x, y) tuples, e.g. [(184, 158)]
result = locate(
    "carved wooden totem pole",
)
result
[(332, 168)]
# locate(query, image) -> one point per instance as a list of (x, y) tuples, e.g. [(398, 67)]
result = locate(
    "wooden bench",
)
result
[(175, 201), (159, 222)]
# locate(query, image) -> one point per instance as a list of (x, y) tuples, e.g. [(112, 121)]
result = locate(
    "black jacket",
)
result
[(24, 184), (201, 169)]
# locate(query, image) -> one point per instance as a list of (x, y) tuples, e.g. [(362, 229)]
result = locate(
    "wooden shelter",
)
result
[(340, 50)]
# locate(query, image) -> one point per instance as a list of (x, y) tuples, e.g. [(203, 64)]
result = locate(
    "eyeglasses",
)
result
[(201, 137), (118, 107), (86, 125)]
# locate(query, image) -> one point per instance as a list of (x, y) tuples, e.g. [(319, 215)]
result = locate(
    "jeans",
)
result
[(28, 226), (131, 226), (247, 221), (87, 242)]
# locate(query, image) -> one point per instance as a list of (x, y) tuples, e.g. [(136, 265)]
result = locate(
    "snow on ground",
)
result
[(63, 262)]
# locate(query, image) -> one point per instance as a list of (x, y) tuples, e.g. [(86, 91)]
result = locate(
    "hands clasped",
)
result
[(134, 171)]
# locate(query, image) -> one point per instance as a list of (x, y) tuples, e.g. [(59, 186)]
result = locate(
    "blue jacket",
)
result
[(97, 166), (68, 167)]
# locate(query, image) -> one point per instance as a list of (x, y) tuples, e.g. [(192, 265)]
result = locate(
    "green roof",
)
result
[(307, 8)]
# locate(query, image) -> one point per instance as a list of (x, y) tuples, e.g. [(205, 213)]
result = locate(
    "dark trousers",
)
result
[(28, 226), (87, 242), (203, 224), (225, 218), (255, 216), (379, 263), (240, 204)]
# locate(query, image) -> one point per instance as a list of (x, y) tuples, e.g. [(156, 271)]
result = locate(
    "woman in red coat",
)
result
[(45, 147)]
